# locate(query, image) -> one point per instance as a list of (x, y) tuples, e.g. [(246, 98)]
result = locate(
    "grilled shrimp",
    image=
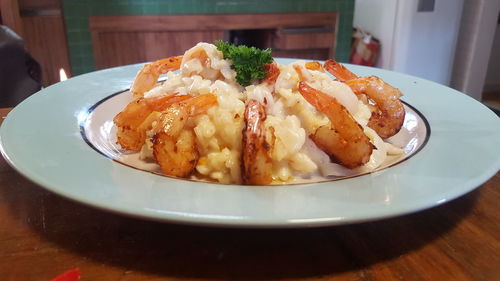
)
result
[(148, 76), (133, 122), (174, 144), (343, 140), (256, 163), (174, 147), (314, 65), (272, 73), (200, 54), (303, 74), (389, 114), (339, 71)]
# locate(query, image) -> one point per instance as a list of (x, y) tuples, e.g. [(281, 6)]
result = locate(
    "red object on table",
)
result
[(70, 275), (365, 49)]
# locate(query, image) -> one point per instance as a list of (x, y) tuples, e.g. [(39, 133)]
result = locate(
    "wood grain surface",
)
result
[(209, 22), (9, 14), (46, 42), (127, 39), (43, 235), (40, 23)]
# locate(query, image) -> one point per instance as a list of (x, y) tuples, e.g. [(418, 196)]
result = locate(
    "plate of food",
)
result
[(228, 136)]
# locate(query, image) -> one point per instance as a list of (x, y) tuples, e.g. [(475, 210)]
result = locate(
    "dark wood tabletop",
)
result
[(43, 235)]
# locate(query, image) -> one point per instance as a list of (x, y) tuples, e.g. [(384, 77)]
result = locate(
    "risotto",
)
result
[(297, 122)]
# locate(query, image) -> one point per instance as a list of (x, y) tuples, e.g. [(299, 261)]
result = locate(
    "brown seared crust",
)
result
[(386, 125), (256, 165), (129, 134), (329, 140), (176, 155), (389, 115), (173, 63), (343, 139)]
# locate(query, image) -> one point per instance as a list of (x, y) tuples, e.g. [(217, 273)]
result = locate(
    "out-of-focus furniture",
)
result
[(74, 35), (9, 11), (41, 25), (19, 72), (119, 40), (104, 33)]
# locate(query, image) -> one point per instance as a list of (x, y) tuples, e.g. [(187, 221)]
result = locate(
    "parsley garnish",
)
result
[(248, 62)]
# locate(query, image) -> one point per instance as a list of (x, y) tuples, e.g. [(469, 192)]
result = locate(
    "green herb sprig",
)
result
[(248, 62)]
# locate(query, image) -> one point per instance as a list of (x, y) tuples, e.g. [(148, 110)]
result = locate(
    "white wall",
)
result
[(477, 31), (416, 43), (378, 18), (493, 74)]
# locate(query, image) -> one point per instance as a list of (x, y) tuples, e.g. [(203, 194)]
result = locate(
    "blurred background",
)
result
[(451, 42)]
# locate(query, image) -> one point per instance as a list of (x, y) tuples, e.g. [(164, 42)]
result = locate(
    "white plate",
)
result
[(42, 139)]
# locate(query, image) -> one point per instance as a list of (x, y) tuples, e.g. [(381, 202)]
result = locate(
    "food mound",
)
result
[(231, 114)]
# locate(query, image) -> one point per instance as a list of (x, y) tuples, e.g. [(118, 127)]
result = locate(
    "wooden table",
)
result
[(43, 235)]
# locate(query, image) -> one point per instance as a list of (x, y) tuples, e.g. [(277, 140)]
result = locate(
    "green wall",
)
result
[(76, 13)]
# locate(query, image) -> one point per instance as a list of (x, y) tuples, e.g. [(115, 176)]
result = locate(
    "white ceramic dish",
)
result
[(43, 139)]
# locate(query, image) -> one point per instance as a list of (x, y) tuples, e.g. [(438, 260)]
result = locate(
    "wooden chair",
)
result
[(9, 11)]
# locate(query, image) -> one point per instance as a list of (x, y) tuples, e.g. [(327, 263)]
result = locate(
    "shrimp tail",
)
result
[(314, 65), (339, 71), (148, 76), (200, 104)]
